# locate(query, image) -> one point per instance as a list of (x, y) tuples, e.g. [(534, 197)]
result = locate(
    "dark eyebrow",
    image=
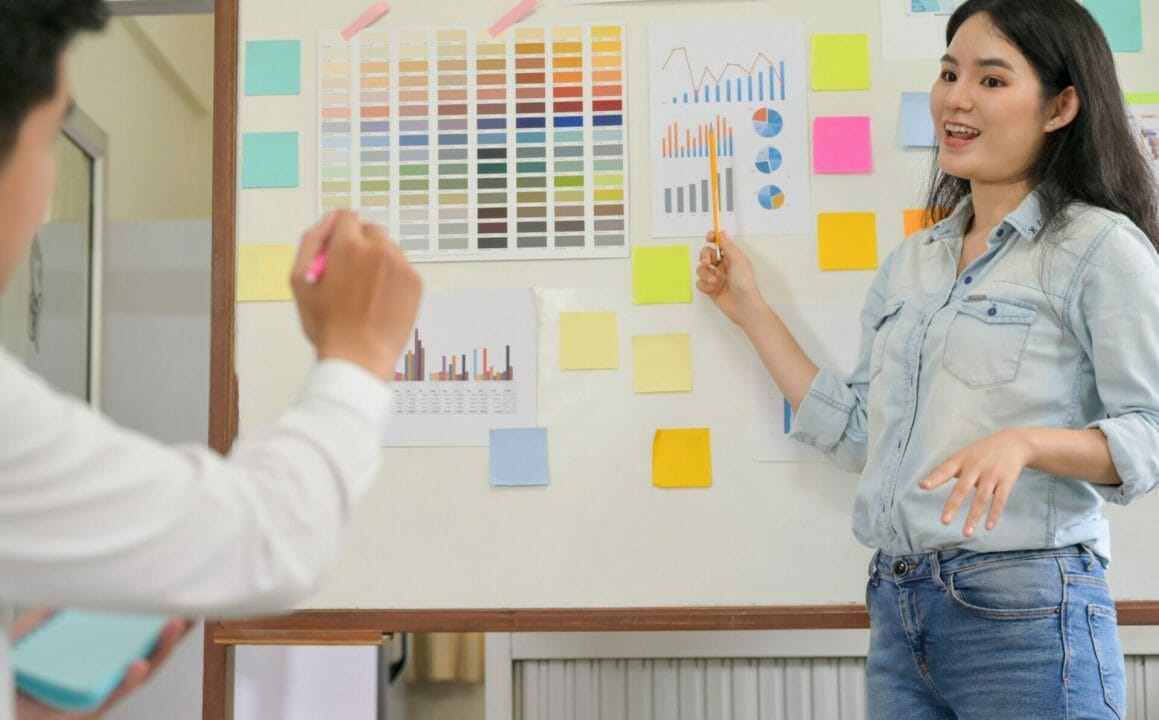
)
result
[(984, 62)]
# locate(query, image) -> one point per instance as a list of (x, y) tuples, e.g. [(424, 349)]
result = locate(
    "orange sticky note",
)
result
[(681, 458), (915, 219), (847, 241)]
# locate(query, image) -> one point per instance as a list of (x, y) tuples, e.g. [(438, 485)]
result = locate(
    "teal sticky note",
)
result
[(518, 456), (917, 125), (273, 67), (1122, 22), (269, 160)]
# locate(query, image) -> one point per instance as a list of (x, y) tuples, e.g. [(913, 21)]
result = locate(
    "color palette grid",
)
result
[(503, 148)]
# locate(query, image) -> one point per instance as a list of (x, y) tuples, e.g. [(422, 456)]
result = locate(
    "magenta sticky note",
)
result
[(842, 145)]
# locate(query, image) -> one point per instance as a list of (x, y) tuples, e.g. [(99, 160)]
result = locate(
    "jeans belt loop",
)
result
[(936, 570), (874, 576)]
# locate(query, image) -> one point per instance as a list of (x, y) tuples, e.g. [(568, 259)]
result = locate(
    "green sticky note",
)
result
[(661, 275), (273, 67), (1122, 22), (269, 160), (1145, 98), (840, 62)]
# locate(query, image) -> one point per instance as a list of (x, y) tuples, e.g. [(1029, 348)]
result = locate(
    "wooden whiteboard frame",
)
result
[(367, 626)]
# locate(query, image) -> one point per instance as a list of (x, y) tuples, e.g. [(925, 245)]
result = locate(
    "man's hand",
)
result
[(138, 672)]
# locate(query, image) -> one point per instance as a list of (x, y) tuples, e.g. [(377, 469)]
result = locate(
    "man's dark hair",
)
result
[(1097, 159), (33, 35)]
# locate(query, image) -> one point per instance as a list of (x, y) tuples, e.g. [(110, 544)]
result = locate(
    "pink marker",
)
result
[(317, 267)]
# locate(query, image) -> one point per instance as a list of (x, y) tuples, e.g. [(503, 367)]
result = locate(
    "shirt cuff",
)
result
[(1130, 441), (821, 419), (353, 387)]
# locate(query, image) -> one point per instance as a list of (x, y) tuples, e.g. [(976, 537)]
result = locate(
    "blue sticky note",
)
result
[(273, 67), (518, 456), (269, 160), (1122, 23), (917, 125)]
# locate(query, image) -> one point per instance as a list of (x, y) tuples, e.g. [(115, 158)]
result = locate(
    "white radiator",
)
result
[(715, 676)]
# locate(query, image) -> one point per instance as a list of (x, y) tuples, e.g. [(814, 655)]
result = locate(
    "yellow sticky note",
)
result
[(588, 341), (847, 241), (840, 62), (661, 275), (662, 363), (681, 458), (263, 272)]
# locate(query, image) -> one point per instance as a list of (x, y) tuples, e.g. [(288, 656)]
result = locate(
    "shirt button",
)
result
[(1001, 232), (969, 279), (992, 312)]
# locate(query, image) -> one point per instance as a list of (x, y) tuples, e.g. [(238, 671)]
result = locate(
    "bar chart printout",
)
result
[(746, 81), (470, 367), (469, 147)]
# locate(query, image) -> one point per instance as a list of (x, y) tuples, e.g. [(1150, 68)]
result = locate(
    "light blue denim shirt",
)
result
[(1046, 328)]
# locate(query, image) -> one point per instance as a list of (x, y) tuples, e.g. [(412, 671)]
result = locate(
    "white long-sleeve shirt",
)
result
[(96, 516)]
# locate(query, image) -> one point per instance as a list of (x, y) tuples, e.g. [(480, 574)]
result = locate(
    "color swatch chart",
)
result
[(469, 147)]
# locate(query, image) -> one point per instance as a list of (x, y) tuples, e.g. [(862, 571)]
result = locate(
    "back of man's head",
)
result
[(33, 35)]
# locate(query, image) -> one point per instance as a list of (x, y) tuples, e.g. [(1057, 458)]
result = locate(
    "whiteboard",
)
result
[(434, 534)]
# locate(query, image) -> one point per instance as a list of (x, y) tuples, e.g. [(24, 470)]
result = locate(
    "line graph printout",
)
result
[(469, 368), (469, 147), (746, 80)]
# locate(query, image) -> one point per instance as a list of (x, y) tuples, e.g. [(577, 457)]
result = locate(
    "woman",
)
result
[(1006, 386)]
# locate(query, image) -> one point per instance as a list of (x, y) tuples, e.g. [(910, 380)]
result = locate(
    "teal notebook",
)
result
[(76, 659)]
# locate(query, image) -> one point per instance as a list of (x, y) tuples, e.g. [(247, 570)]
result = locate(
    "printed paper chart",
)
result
[(469, 368), (746, 81), (469, 147)]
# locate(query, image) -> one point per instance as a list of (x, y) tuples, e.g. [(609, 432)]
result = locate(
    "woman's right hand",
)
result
[(731, 282)]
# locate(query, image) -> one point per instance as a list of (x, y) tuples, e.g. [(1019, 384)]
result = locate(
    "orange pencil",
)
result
[(715, 191)]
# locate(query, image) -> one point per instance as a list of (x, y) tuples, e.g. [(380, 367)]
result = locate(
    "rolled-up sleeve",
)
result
[(1115, 314), (833, 417)]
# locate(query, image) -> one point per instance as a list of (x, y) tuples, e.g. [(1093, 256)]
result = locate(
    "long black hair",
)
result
[(33, 34), (1097, 158)]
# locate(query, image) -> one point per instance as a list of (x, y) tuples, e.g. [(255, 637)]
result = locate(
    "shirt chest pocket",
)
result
[(986, 340), (883, 327)]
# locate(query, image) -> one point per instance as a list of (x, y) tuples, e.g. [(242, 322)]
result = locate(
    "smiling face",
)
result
[(28, 175), (988, 108)]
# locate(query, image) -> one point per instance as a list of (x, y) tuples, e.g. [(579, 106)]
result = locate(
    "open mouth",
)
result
[(961, 133)]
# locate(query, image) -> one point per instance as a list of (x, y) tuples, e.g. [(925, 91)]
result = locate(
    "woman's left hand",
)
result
[(138, 672), (989, 468)]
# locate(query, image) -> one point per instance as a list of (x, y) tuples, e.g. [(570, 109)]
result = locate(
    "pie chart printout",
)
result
[(771, 197), (769, 160), (768, 122)]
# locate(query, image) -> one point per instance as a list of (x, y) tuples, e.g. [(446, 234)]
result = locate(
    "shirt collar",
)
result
[(1026, 219)]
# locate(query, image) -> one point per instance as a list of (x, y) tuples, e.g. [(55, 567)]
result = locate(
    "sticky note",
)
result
[(661, 275), (840, 62), (588, 341), (368, 17), (682, 458), (263, 272), (847, 241), (273, 67), (917, 125), (662, 363), (269, 160), (842, 145), (512, 16), (1122, 23), (518, 457), (914, 220), (1144, 98)]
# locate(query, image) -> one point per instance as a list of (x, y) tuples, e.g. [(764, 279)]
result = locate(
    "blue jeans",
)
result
[(990, 636)]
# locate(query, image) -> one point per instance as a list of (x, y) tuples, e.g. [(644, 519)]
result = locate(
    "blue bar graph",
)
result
[(767, 85)]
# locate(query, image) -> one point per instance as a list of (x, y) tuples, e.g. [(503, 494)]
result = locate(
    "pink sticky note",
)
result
[(842, 145), (513, 16), (372, 14)]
